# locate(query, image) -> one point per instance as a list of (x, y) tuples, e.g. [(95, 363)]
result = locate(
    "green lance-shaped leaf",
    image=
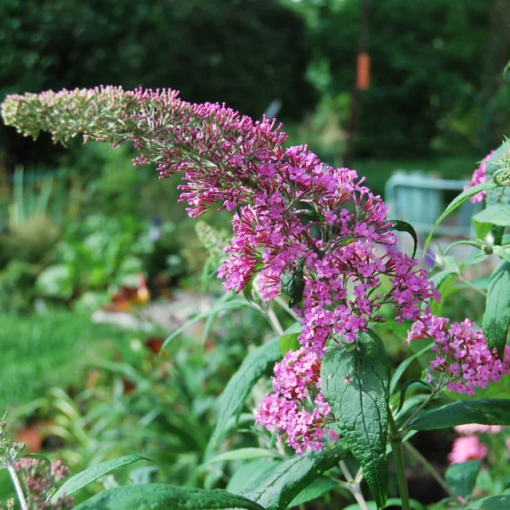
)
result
[(490, 503), (292, 283), (457, 202), (275, 488), (165, 497), (403, 226), (91, 474), (498, 215), (318, 488), (244, 454), (461, 478), (355, 382), (496, 318), (254, 366), (483, 411), (289, 340)]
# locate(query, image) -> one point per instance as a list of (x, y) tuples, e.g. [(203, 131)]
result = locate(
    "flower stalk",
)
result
[(398, 456)]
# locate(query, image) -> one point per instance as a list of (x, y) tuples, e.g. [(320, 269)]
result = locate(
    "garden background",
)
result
[(98, 262)]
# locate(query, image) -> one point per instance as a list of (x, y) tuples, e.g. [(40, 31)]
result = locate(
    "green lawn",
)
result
[(54, 349)]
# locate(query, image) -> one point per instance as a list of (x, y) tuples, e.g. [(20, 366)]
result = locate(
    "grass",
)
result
[(54, 349)]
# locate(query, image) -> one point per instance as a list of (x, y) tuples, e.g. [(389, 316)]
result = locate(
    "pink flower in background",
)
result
[(479, 177), (467, 448), (471, 429)]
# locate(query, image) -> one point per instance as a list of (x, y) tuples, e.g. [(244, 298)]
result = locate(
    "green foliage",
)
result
[(231, 401), (497, 313), (491, 503), (403, 226), (462, 477), (83, 478), (162, 497), (289, 340), (33, 344), (498, 195), (435, 61), (457, 202), (275, 487), (355, 382), (485, 412)]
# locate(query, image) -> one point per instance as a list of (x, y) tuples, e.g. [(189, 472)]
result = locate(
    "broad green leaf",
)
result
[(457, 202), (77, 482), (496, 318), (55, 281), (315, 490), (165, 497), (292, 283), (490, 503), (462, 477), (289, 340), (404, 365), (244, 454), (403, 226), (243, 476), (355, 382), (254, 366), (276, 488), (483, 221), (485, 412), (502, 253)]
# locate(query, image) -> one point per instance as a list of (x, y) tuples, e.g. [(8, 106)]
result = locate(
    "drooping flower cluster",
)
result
[(294, 215), (479, 177), (462, 354), (296, 408), (40, 480)]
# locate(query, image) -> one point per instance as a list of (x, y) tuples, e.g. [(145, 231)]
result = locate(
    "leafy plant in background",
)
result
[(29, 231), (318, 237)]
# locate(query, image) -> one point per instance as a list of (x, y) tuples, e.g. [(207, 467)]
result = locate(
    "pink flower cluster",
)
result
[(461, 353), (479, 177), (40, 482), (292, 211), (296, 408), (304, 213)]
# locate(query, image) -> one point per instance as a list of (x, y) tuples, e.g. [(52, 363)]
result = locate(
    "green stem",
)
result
[(353, 486), (17, 486), (398, 455), (416, 454), (274, 321)]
